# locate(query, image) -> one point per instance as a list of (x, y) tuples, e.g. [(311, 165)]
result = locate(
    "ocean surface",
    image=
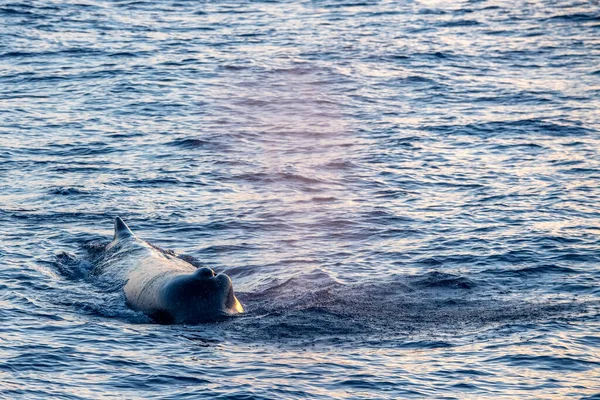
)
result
[(406, 195)]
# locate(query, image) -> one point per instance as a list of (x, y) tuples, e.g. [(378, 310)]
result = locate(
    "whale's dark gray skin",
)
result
[(162, 285)]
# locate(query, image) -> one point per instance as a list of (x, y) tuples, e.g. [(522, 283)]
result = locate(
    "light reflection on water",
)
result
[(404, 194)]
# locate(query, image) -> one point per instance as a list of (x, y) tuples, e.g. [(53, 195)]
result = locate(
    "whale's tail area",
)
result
[(122, 231)]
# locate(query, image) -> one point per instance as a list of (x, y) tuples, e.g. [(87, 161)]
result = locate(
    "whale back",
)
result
[(162, 284)]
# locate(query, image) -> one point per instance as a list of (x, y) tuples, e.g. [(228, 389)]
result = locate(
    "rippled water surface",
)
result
[(404, 193)]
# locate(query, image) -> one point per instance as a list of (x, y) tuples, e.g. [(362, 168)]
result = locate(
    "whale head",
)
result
[(202, 296)]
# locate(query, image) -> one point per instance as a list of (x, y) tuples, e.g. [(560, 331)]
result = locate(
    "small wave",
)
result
[(125, 54), (72, 267), (581, 171), (416, 79), (67, 191), (217, 249), (435, 54), (157, 182), (280, 177), (70, 150), (81, 169), (231, 67), (42, 54), (11, 11), (525, 146), (61, 217), (537, 270), (459, 23), (440, 280), (105, 304), (300, 70), (189, 143), (576, 17), (547, 362), (578, 257), (432, 11), (123, 135), (523, 127), (384, 217), (339, 165), (323, 199)]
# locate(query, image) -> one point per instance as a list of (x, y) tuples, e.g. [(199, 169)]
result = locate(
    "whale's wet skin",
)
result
[(405, 196), (163, 285)]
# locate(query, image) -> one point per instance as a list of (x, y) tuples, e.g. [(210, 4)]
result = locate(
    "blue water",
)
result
[(405, 194)]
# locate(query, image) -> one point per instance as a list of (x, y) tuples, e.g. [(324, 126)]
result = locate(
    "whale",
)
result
[(163, 285)]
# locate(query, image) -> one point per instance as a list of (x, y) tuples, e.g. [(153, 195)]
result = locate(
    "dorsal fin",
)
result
[(122, 231)]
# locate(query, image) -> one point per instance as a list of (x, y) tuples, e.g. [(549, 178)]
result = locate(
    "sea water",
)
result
[(404, 193)]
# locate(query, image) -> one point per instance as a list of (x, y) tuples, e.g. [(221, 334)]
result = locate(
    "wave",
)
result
[(67, 191), (315, 306)]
